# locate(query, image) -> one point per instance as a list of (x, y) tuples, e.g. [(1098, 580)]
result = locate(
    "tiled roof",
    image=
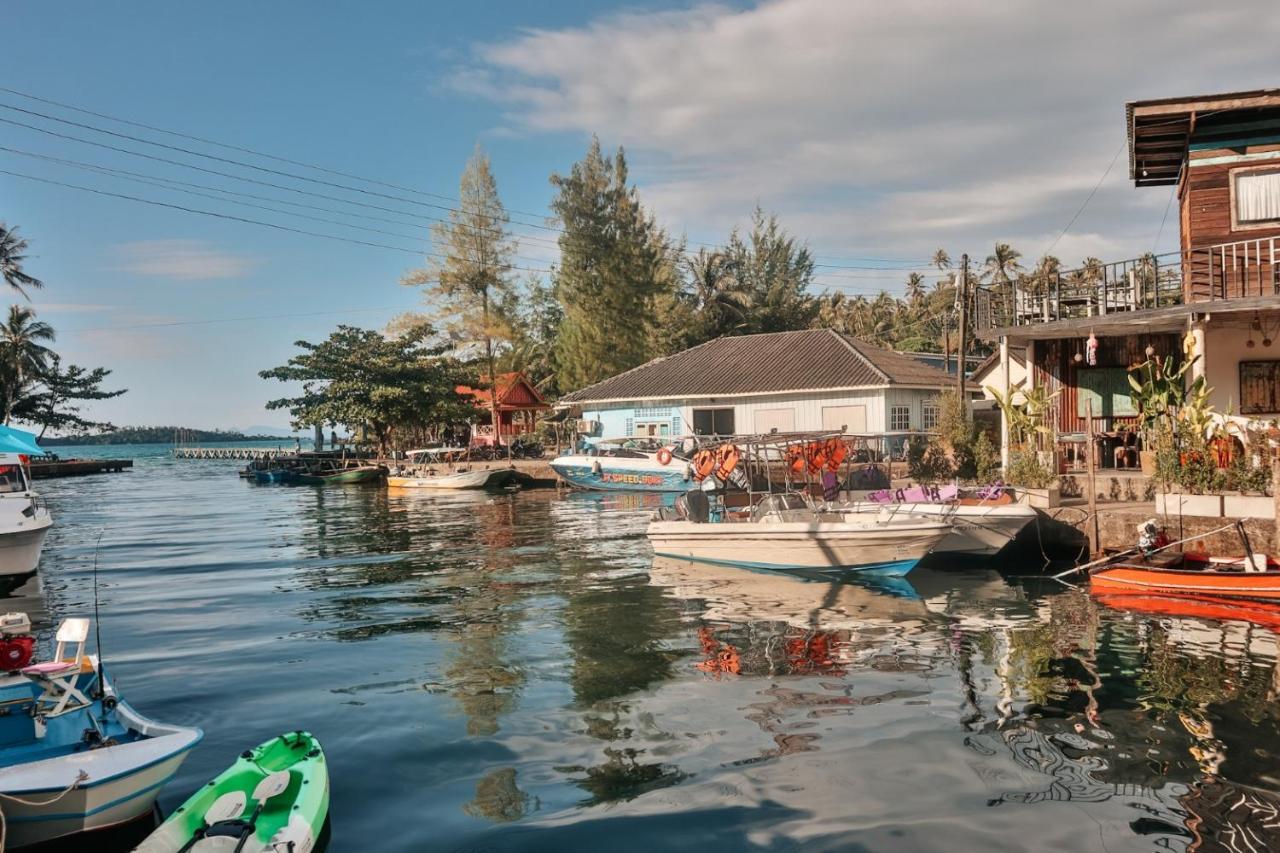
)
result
[(513, 390), (766, 363)]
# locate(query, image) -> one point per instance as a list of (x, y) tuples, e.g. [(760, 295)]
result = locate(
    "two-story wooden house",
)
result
[(1219, 296)]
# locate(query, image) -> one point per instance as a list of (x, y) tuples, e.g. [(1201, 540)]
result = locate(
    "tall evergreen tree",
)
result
[(467, 280), (615, 262)]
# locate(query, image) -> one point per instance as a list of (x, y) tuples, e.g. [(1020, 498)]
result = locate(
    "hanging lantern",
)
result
[(1150, 350), (1266, 342), (1091, 350), (1078, 358), (1249, 343)]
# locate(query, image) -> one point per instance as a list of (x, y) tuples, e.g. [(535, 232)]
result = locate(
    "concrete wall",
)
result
[(805, 412), (1225, 347)]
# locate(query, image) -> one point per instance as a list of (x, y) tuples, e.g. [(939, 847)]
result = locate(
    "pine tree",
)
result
[(468, 279), (775, 272), (615, 262)]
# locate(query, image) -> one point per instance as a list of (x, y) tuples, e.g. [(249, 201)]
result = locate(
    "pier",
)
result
[(232, 452), (78, 467)]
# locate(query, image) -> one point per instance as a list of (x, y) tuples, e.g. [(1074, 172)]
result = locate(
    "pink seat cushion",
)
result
[(48, 667)]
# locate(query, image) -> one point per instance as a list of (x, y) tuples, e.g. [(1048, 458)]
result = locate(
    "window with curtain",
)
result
[(1258, 197)]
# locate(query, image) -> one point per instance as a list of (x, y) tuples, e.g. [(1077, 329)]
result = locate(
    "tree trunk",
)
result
[(493, 375)]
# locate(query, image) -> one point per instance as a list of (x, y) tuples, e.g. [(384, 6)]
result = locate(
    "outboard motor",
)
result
[(16, 642), (695, 506)]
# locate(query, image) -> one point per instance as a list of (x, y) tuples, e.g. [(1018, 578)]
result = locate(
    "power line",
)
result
[(1092, 193), (161, 183), (290, 315), (303, 164)]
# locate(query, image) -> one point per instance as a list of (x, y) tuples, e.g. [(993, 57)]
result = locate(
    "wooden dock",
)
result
[(78, 467), (232, 452)]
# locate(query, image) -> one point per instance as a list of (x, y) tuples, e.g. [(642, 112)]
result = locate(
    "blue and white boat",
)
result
[(73, 755), (624, 469)]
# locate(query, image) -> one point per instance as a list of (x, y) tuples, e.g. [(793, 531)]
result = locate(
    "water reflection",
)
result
[(523, 674)]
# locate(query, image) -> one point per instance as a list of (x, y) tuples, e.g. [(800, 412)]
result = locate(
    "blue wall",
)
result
[(621, 422)]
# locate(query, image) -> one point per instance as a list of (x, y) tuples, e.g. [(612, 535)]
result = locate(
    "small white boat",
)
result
[(24, 521), (74, 756), (478, 478), (782, 532), (977, 529)]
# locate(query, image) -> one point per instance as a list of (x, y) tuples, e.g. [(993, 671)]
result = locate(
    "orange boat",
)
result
[(1202, 607), (1190, 574)]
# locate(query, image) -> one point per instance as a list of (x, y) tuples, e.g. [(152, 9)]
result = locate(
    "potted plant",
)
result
[(1031, 468)]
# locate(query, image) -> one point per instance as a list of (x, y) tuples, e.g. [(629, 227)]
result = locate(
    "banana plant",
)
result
[(1025, 419)]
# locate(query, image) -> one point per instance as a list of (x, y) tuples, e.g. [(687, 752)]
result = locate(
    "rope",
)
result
[(81, 776)]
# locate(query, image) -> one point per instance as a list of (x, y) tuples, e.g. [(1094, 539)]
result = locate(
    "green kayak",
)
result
[(274, 799)]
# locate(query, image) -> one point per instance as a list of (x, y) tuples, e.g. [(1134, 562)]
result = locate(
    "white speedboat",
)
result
[(479, 478), (978, 528), (24, 521), (782, 532)]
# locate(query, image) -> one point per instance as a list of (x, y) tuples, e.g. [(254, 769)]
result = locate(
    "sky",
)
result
[(877, 132)]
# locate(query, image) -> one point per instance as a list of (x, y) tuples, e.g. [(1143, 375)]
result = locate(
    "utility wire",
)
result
[(306, 165), (1092, 193)]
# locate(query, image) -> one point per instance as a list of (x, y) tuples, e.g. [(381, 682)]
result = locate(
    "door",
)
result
[(852, 419), (781, 420)]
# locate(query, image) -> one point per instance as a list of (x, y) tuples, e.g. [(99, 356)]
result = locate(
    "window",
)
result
[(850, 419), (1259, 387), (651, 429), (899, 417), (713, 421), (782, 420), (929, 416), (1257, 197)]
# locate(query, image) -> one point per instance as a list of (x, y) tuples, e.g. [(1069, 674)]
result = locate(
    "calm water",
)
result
[(494, 673)]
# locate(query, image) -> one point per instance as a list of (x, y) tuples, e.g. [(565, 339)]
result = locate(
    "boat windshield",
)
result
[(11, 479)]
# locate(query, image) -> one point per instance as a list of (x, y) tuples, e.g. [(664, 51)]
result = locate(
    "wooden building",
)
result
[(519, 404), (1217, 297)]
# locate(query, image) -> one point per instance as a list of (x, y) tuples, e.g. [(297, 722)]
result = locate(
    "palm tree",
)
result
[(1000, 268), (23, 355), (717, 293), (941, 260), (915, 288), (13, 252)]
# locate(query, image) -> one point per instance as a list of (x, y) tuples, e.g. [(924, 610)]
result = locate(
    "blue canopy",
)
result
[(19, 441)]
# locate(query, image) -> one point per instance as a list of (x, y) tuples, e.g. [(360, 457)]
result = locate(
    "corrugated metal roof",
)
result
[(766, 363)]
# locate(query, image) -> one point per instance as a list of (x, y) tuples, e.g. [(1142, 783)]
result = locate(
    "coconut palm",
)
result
[(915, 288), (13, 253), (717, 293), (941, 260), (23, 355), (1002, 264)]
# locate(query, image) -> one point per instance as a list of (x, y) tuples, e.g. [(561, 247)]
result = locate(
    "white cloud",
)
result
[(883, 129), (186, 260)]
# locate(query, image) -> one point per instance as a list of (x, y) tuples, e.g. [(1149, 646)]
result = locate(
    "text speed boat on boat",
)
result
[(782, 532), (73, 755), (626, 469), (24, 520)]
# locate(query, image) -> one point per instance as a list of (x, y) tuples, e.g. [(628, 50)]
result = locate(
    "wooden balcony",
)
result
[(1238, 270)]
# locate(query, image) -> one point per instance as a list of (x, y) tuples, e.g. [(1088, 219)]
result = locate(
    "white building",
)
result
[(812, 380)]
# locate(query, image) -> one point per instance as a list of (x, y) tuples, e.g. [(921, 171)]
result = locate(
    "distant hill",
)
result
[(160, 435)]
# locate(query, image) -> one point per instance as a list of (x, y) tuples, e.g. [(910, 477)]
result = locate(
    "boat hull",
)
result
[(1263, 586), (122, 785), (976, 530), (339, 478), (880, 550), (20, 548), (493, 478), (607, 473)]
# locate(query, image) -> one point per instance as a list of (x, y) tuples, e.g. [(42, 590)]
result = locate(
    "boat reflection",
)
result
[(1265, 614)]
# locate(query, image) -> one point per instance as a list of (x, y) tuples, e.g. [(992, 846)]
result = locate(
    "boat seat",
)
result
[(58, 676)]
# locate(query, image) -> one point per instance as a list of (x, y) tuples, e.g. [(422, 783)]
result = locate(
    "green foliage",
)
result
[(13, 255), (773, 271), (1026, 470), (55, 400), (986, 458), (615, 262), (927, 462), (159, 435), (1176, 419), (1243, 476), (363, 379)]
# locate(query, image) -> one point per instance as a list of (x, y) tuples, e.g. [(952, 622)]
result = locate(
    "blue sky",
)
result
[(876, 131)]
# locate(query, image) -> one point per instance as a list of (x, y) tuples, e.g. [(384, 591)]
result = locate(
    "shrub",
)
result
[(1026, 470), (927, 462)]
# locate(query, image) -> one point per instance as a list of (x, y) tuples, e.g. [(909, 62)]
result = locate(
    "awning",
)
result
[(19, 441)]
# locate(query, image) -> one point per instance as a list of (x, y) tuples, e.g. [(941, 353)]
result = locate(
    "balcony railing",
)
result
[(1227, 271)]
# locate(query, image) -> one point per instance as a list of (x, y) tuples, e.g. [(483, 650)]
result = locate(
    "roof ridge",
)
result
[(847, 341)]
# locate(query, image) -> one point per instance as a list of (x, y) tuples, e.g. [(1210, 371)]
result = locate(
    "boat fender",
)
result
[(595, 467), (664, 456)]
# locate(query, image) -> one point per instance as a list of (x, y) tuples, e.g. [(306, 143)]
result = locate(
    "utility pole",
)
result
[(962, 288)]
